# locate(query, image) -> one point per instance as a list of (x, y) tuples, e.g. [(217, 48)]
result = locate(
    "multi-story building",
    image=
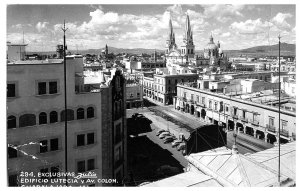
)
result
[(96, 124), (255, 114), (134, 95), (162, 87), (16, 51)]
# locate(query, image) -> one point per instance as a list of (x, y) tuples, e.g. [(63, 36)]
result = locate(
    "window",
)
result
[(11, 122), (176, 81), (197, 98), (203, 100), (81, 166), (52, 87), (80, 113), (118, 136), (91, 164), (169, 81), (192, 97), (226, 108), (184, 95), (210, 104), (90, 112), (43, 118), (221, 106), (27, 120), (12, 152), (53, 117), (44, 173), (54, 144), (138, 95), (80, 140), (271, 122), (216, 106), (244, 114), (52, 147), (283, 125), (42, 88), (85, 139), (54, 171), (11, 90), (43, 146), (13, 180), (90, 138), (234, 111), (70, 115)]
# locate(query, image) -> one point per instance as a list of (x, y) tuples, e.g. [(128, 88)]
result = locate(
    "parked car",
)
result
[(181, 146), (160, 132), (169, 139), (162, 135), (176, 142)]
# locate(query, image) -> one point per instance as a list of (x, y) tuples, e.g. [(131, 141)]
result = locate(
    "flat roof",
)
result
[(32, 62), (9, 44)]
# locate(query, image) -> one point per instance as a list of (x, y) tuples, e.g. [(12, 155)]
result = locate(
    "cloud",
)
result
[(20, 26), (280, 20), (222, 12), (40, 26), (251, 26), (226, 34)]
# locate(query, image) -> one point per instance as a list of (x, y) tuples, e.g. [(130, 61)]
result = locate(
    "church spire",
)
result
[(171, 35), (188, 31)]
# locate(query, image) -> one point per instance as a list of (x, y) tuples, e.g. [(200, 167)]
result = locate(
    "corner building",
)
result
[(96, 136)]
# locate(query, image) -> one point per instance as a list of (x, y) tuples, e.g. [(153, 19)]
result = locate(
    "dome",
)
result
[(211, 46)]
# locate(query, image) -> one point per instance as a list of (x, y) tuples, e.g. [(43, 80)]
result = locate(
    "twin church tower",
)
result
[(188, 47), (186, 52)]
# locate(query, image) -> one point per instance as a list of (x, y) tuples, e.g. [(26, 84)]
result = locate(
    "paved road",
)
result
[(176, 154), (245, 143)]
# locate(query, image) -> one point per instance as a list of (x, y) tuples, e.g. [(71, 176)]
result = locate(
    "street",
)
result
[(245, 143)]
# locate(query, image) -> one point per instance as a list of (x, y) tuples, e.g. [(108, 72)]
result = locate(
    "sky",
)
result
[(146, 26)]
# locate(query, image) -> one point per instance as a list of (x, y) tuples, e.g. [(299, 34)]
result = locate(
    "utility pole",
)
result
[(64, 29), (279, 115)]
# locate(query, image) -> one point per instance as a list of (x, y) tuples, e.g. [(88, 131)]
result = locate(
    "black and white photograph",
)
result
[(183, 94)]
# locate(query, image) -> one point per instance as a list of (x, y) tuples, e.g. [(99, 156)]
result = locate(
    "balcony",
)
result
[(184, 99), (235, 116), (271, 128), (294, 136), (254, 122), (284, 133), (244, 119), (201, 104)]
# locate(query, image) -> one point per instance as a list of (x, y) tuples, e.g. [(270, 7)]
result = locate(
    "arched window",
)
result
[(43, 118), (90, 112), (80, 113), (11, 122), (53, 117), (70, 115), (27, 120)]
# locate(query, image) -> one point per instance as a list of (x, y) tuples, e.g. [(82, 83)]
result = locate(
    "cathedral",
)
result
[(185, 55)]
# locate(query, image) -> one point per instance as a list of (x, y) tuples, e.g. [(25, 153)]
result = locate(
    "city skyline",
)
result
[(146, 26)]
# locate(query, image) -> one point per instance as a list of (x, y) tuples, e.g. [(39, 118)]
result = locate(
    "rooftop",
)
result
[(31, 62), (187, 179)]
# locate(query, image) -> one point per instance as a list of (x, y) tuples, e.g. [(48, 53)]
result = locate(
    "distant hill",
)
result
[(272, 50)]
